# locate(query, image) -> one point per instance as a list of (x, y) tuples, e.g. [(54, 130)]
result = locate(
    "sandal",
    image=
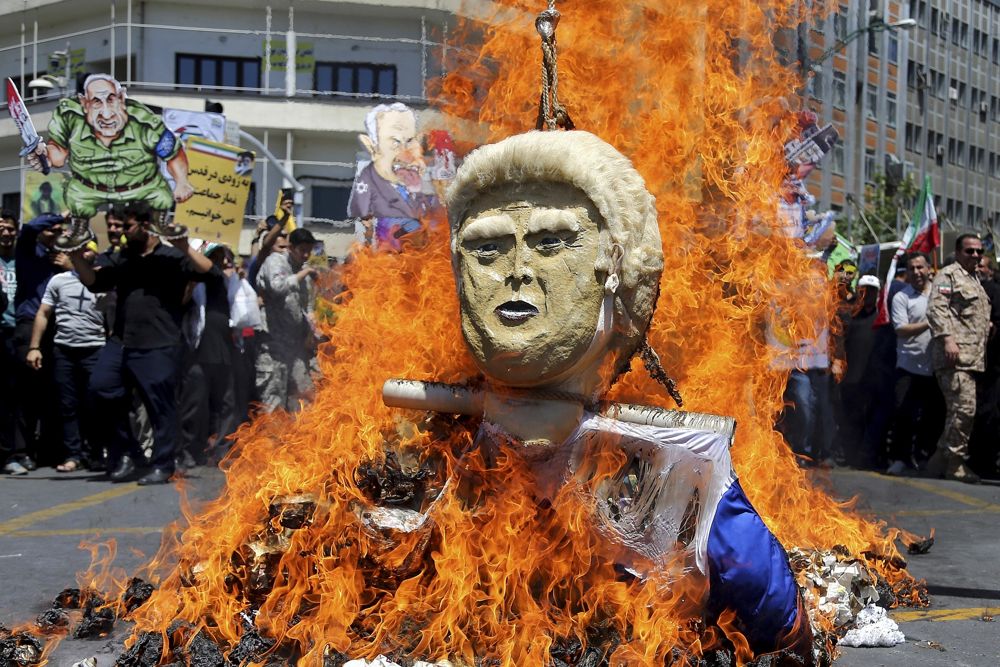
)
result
[(69, 465)]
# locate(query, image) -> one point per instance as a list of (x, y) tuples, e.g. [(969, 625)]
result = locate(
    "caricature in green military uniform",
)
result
[(112, 146)]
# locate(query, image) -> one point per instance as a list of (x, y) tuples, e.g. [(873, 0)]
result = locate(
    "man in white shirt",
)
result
[(919, 407), (79, 338)]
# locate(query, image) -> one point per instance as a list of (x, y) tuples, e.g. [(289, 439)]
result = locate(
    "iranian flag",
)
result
[(924, 233)]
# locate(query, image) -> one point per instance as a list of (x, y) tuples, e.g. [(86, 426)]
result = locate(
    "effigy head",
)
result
[(557, 258)]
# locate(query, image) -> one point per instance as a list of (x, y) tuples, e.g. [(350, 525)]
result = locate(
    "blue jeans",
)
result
[(808, 422), (154, 373), (72, 367)]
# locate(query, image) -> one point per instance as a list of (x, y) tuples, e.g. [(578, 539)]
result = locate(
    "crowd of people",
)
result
[(142, 359), (913, 389)]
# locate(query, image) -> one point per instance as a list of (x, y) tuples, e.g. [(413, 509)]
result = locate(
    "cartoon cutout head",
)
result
[(392, 140), (103, 102)]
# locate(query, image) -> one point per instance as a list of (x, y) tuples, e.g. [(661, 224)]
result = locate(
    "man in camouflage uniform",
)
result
[(112, 145), (959, 318)]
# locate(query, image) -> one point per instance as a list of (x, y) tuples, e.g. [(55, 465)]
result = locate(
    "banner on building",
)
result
[(77, 63), (305, 55), (220, 175)]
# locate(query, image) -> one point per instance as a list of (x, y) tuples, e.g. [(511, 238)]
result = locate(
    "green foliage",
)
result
[(881, 207)]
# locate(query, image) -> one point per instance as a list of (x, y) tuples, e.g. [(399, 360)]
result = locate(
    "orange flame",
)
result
[(696, 95)]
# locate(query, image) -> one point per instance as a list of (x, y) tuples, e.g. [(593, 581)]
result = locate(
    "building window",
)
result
[(913, 137), (996, 51), (994, 165), (222, 72), (994, 108), (816, 84), (837, 159), (357, 78), (870, 165), (890, 109), (839, 89), (873, 40), (893, 48), (871, 103), (840, 23), (330, 202)]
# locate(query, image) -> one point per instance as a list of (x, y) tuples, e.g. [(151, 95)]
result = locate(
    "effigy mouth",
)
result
[(516, 311)]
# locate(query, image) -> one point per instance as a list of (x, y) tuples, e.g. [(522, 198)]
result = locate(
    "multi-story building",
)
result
[(926, 96), (952, 126), (855, 79), (307, 109)]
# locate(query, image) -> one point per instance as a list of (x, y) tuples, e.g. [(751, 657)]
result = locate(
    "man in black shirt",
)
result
[(145, 350)]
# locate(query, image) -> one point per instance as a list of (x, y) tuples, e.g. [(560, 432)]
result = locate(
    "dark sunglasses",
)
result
[(973, 251)]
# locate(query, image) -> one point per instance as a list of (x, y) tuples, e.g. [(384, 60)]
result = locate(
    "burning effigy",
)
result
[(526, 495)]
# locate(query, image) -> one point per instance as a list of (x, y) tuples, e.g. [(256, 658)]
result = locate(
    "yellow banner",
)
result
[(220, 175)]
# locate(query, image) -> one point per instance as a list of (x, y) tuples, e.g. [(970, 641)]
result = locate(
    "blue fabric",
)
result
[(34, 268), (749, 573)]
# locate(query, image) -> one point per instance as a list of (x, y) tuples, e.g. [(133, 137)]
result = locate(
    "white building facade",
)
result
[(307, 110)]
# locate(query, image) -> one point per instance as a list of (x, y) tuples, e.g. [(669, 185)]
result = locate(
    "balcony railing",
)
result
[(118, 56)]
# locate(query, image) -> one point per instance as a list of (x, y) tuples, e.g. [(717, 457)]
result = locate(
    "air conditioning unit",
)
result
[(952, 94), (984, 107), (940, 150)]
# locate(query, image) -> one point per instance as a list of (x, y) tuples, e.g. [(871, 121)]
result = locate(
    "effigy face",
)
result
[(529, 289)]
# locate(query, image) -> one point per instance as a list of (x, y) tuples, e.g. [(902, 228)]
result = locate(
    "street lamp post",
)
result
[(875, 24), (59, 60)]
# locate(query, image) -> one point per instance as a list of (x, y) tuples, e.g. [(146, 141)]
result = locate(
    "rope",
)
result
[(651, 361), (551, 113)]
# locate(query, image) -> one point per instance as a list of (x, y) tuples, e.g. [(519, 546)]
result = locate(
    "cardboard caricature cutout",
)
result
[(803, 154), (112, 147), (386, 196), (444, 161)]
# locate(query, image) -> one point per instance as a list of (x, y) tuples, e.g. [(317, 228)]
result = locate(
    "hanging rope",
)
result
[(651, 361), (551, 114)]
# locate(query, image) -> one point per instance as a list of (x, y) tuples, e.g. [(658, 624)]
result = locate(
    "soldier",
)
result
[(112, 145), (959, 317)]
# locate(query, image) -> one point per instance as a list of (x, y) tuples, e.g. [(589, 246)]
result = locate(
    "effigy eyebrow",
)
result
[(490, 227), (552, 221)]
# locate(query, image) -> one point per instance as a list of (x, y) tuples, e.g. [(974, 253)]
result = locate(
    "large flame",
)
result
[(695, 94)]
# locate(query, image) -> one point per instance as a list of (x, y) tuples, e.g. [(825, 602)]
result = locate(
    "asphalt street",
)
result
[(45, 516)]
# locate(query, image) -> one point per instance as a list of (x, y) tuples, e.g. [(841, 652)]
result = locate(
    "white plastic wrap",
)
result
[(664, 498)]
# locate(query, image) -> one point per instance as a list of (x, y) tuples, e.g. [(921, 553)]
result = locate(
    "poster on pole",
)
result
[(220, 175)]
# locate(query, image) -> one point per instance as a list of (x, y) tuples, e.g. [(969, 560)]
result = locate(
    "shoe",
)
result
[(961, 473), (155, 476), (76, 236), (896, 468), (124, 470), (69, 465), (936, 465), (28, 463), (184, 460), (15, 468)]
